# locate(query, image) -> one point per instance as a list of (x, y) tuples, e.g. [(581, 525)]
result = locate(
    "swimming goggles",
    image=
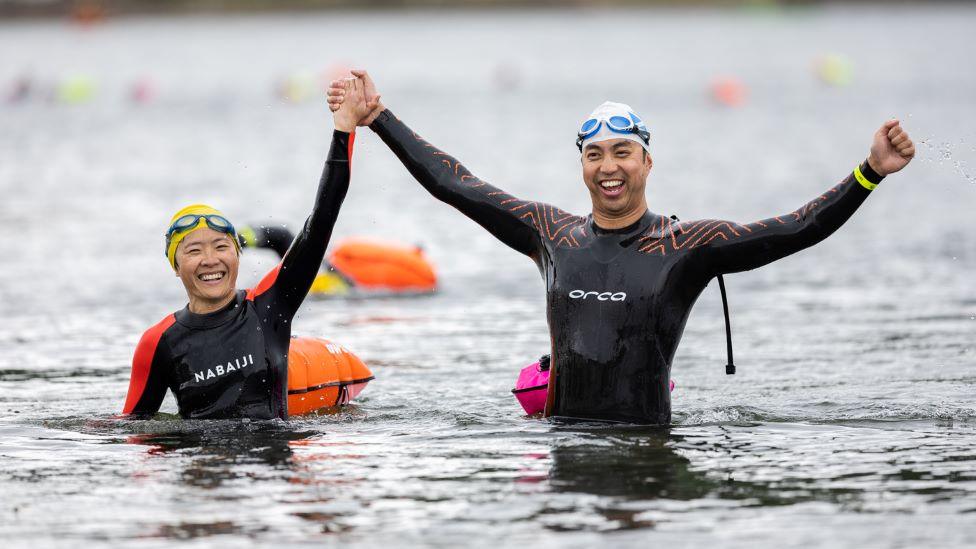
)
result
[(617, 124), (216, 222)]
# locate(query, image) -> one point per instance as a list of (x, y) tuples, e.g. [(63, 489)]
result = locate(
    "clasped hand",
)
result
[(354, 100)]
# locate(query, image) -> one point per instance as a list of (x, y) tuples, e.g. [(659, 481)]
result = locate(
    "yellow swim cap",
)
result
[(173, 240)]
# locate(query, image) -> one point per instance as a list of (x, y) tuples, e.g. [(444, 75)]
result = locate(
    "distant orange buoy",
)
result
[(87, 12), (374, 264), (728, 91), (322, 374)]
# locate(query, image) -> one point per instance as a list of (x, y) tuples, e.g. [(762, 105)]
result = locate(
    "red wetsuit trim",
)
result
[(352, 140), (266, 283), (142, 362)]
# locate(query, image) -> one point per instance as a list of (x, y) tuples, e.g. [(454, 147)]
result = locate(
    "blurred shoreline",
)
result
[(88, 11)]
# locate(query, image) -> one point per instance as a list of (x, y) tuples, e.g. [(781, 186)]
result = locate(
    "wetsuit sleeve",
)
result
[(730, 247), (290, 281), (515, 222), (148, 380), (275, 238)]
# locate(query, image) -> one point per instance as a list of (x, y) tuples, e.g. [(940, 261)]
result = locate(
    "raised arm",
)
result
[(517, 223), (290, 281), (509, 219), (729, 247)]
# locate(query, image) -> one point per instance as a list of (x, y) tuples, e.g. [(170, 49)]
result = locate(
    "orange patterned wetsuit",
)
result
[(618, 300), (234, 362)]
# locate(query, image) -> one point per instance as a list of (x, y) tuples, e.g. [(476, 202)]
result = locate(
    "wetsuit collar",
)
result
[(214, 319), (640, 225)]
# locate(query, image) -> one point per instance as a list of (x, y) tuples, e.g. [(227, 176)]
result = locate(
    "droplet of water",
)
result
[(944, 151)]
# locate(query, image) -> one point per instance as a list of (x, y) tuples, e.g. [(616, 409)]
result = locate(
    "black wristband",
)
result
[(384, 116)]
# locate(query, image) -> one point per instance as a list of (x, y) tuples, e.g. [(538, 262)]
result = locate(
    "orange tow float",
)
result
[(322, 374), (377, 265)]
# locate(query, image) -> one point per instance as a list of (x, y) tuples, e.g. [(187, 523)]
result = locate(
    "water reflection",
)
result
[(218, 447), (230, 461), (626, 462), (639, 469)]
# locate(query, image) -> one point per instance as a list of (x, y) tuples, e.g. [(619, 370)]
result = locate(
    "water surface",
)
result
[(851, 422)]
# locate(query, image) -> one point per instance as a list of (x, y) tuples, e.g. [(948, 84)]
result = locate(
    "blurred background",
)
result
[(851, 421), (88, 8)]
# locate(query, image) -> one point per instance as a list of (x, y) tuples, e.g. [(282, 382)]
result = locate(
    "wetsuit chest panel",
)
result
[(605, 299), (599, 304), (223, 370)]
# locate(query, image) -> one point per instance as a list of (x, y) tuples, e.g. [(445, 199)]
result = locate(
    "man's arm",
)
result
[(515, 222), (730, 247), (520, 224)]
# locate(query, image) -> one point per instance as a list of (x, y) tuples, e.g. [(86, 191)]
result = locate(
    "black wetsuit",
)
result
[(618, 300), (234, 362), (272, 237)]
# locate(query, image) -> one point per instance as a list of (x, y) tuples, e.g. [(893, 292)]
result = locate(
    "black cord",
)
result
[(730, 367)]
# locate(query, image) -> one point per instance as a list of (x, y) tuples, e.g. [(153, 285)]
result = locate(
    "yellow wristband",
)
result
[(863, 180)]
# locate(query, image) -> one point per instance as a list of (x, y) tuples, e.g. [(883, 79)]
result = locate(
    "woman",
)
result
[(225, 355)]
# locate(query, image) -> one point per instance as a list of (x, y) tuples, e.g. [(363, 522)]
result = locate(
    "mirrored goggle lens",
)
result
[(219, 223), (589, 126), (184, 223), (620, 123)]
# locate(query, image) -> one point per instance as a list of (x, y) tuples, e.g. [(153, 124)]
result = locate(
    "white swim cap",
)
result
[(613, 121)]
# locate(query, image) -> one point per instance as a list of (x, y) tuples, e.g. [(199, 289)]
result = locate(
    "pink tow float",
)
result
[(532, 386)]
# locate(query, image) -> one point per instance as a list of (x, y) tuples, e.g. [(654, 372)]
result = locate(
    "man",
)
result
[(225, 355), (621, 282)]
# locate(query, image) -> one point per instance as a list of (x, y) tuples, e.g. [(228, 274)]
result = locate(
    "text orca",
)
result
[(600, 296)]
